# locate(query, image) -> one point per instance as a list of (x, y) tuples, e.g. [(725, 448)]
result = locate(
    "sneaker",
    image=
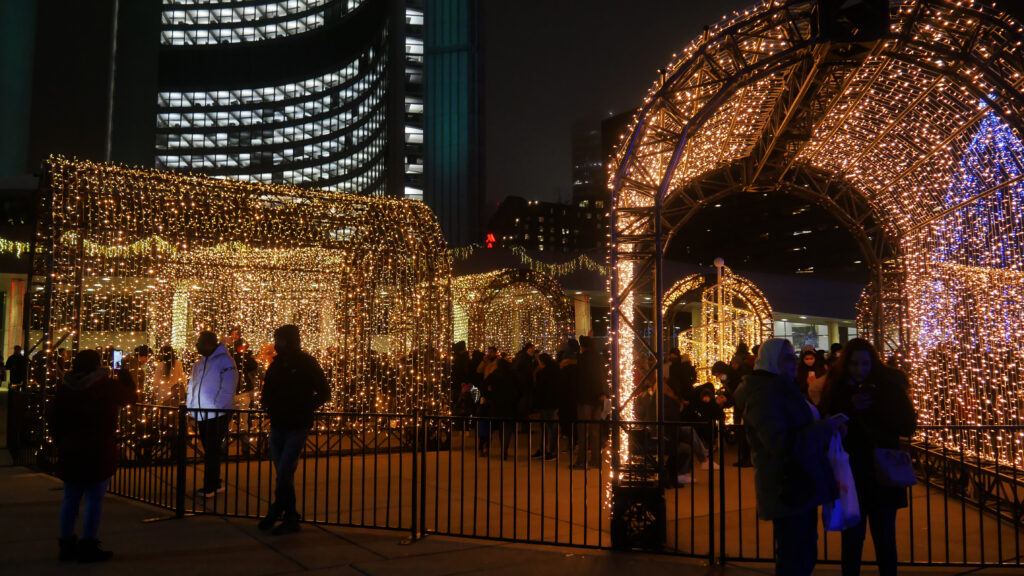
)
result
[(713, 466), (210, 492), (89, 551), (537, 454), (550, 456), (289, 526), (684, 479)]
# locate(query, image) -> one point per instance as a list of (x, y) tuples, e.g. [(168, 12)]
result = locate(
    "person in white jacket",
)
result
[(211, 398)]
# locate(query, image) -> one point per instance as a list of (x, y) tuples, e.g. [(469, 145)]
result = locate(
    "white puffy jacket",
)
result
[(212, 384)]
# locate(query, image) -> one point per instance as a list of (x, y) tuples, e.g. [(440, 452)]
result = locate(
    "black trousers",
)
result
[(212, 432)]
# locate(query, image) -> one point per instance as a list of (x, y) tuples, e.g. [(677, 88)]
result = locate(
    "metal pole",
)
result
[(182, 446)]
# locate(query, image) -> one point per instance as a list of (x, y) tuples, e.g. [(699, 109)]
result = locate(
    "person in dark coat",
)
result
[(501, 395), (294, 387), (590, 393), (789, 444), (548, 383), (568, 365), (17, 368), (525, 364), (730, 380), (83, 421), (875, 398), (460, 370)]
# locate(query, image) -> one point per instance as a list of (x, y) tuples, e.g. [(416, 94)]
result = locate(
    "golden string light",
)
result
[(926, 133), (509, 307), (126, 257), (732, 311), (581, 262)]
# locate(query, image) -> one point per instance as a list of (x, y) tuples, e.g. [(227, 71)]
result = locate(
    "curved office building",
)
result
[(286, 91)]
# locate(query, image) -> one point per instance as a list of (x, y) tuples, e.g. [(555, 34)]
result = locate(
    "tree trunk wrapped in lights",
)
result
[(126, 257)]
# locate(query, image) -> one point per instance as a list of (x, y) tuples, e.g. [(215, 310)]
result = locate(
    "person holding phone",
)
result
[(876, 401), (83, 422)]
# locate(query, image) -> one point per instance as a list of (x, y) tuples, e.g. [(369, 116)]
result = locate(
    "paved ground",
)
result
[(216, 545), (211, 544)]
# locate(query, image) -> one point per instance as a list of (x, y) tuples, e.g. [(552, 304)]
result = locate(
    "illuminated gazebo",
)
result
[(125, 257), (509, 307), (732, 310), (903, 120)]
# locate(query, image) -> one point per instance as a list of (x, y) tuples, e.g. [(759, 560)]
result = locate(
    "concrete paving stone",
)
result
[(394, 543)]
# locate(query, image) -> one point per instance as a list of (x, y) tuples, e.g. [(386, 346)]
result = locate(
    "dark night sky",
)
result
[(549, 63)]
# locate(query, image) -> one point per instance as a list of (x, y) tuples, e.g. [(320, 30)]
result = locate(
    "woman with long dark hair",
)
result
[(875, 398)]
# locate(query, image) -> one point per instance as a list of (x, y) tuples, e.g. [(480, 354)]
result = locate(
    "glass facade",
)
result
[(199, 22), (328, 130), (414, 22)]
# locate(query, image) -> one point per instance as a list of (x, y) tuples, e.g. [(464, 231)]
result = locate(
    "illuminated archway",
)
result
[(905, 126), (129, 256), (733, 310), (509, 307)]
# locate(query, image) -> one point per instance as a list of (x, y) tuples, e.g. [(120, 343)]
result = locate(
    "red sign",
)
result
[(490, 240)]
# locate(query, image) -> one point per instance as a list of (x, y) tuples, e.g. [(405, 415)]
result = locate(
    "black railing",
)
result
[(429, 474)]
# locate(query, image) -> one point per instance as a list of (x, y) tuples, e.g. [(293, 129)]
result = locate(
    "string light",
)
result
[(508, 308), (581, 262), (732, 311), (129, 256), (926, 133)]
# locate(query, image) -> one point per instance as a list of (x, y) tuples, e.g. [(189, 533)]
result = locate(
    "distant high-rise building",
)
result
[(453, 151), (282, 91)]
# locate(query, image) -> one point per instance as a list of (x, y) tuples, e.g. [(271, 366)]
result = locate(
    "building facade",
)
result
[(279, 91)]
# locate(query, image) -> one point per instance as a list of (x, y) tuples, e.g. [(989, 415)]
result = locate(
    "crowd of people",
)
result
[(566, 392), (785, 407)]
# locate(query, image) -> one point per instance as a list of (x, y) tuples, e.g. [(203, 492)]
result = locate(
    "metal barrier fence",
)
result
[(450, 475)]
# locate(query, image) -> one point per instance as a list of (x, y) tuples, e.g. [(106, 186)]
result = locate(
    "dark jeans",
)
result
[(73, 494), (588, 435), (212, 432), (549, 431), (285, 447), (883, 534), (796, 543)]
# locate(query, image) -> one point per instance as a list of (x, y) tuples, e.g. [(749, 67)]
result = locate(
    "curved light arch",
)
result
[(549, 310), (871, 129)]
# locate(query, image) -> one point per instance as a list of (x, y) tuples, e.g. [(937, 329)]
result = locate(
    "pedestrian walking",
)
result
[(211, 398), (294, 387), (549, 391), (83, 422), (590, 393), (17, 368)]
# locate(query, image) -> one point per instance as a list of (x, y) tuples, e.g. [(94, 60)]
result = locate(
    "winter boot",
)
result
[(289, 526), (273, 515), (89, 551), (68, 548)]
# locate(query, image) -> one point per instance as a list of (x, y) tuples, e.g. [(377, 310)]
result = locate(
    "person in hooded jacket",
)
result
[(294, 387), (568, 367), (211, 398), (548, 382), (501, 394), (789, 444), (83, 421)]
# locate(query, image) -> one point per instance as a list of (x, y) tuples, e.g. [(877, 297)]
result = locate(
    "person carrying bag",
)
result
[(844, 511)]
